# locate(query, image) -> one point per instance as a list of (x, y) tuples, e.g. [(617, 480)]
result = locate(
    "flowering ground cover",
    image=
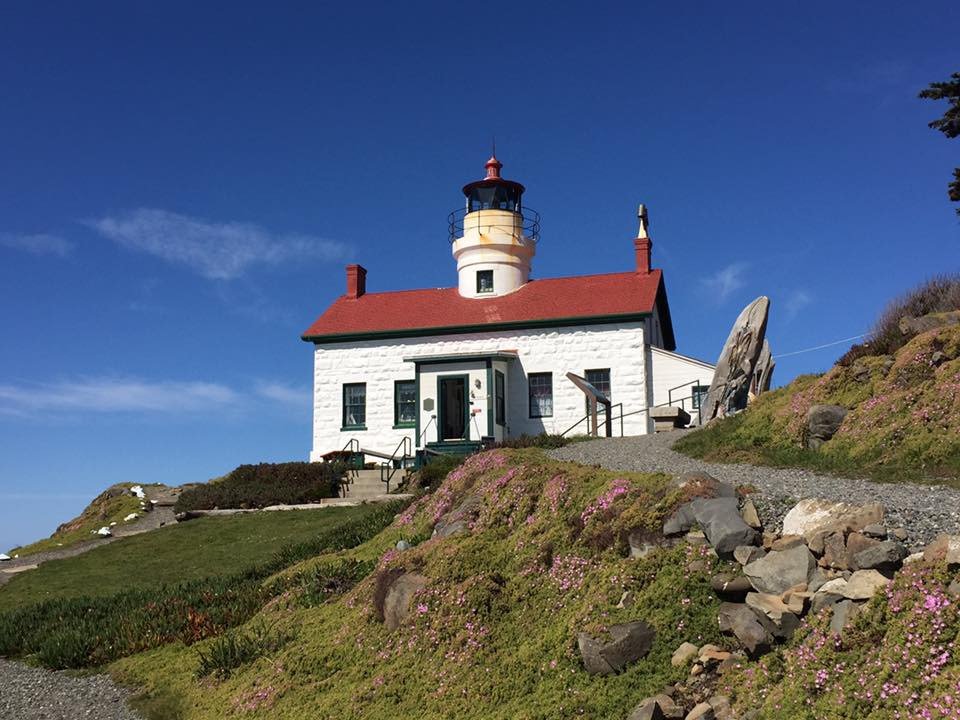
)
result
[(902, 425)]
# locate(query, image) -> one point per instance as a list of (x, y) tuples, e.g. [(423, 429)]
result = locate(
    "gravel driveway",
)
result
[(28, 693), (923, 510)]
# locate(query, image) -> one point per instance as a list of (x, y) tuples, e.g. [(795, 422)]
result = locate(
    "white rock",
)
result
[(863, 584), (138, 491), (4, 556), (837, 586), (912, 558), (131, 516), (813, 514), (104, 532), (113, 523)]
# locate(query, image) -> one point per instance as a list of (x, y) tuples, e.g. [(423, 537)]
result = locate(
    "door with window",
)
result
[(453, 408)]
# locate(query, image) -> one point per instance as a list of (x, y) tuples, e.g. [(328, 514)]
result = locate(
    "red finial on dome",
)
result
[(493, 168)]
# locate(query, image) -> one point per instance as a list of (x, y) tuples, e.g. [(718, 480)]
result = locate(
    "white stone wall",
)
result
[(555, 350), (670, 370)]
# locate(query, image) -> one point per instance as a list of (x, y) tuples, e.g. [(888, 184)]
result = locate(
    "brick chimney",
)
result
[(356, 281), (642, 244)]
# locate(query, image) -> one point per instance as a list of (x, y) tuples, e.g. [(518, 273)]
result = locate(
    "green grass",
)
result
[(495, 634), (901, 426), (206, 547)]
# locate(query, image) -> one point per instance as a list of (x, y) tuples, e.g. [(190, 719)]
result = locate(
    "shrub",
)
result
[(236, 648), (257, 486), (437, 469), (542, 440)]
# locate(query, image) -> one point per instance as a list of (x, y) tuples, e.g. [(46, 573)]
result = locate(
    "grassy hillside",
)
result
[(202, 548), (903, 420), (112, 505), (493, 633)]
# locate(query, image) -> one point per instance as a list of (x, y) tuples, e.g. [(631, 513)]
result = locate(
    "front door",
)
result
[(453, 408)]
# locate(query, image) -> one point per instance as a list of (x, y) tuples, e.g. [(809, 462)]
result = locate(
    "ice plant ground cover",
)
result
[(902, 424), (493, 632)]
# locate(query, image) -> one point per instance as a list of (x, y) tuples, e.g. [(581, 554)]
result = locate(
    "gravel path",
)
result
[(28, 693), (923, 510)]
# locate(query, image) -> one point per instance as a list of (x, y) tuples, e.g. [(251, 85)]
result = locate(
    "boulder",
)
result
[(743, 623), (863, 584), (773, 614), (835, 552), (403, 545), (815, 514), (711, 655), (885, 556), (454, 527), (953, 589), (916, 325), (628, 643), (817, 579), (944, 547), (684, 654), (856, 544), (649, 709), (837, 586), (876, 531), (734, 374), (703, 711), (746, 554), (823, 421), (748, 511), (779, 571), (680, 522), (722, 524), (641, 544), (704, 485), (730, 586), (104, 531), (843, 614), (398, 601), (785, 542), (721, 706)]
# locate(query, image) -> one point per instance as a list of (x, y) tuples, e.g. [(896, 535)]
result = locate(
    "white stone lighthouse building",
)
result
[(488, 359)]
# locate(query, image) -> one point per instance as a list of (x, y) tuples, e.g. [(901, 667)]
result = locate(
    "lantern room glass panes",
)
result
[(494, 197), (541, 395), (484, 281), (405, 403), (354, 405)]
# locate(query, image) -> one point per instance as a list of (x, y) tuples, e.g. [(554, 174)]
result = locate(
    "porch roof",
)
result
[(462, 357)]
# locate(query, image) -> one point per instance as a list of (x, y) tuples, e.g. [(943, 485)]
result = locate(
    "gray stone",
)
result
[(817, 579), (953, 589), (628, 643), (944, 548), (721, 523), (916, 325), (746, 554), (748, 511), (763, 372), (888, 555), (743, 623), (684, 654), (703, 711), (875, 530), (731, 586), (899, 534), (785, 542), (843, 614), (640, 544), (863, 584), (778, 571), (734, 374), (835, 552), (456, 527), (823, 421), (649, 709), (823, 600), (399, 597), (681, 520), (403, 545)]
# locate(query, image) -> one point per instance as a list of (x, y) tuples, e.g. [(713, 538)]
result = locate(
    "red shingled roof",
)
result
[(443, 310)]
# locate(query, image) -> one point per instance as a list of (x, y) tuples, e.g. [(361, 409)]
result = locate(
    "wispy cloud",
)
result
[(215, 250), (284, 393), (795, 302), (726, 280), (111, 395), (38, 244)]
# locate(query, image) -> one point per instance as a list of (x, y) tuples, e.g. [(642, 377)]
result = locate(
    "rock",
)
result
[(648, 709), (104, 532), (916, 325), (748, 511), (944, 547), (733, 587), (743, 623), (668, 707), (403, 545), (704, 485), (912, 558), (137, 490), (763, 372), (458, 520), (684, 654), (696, 669), (817, 579), (843, 614), (899, 534), (863, 584), (626, 600), (857, 543), (887, 555), (778, 571), (746, 554), (734, 374), (953, 589), (721, 706), (397, 604), (813, 514), (823, 421), (721, 523), (131, 516), (681, 520), (628, 643), (776, 611), (875, 530), (640, 545), (711, 655), (703, 711), (785, 542), (816, 542), (835, 552), (823, 600), (837, 586), (4, 557)]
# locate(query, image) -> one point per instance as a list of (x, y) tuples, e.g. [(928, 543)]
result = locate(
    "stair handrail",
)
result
[(352, 447), (420, 437), (608, 421), (387, 466)]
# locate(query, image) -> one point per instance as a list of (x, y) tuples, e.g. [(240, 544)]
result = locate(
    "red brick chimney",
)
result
[(356, 281), (642, 244)]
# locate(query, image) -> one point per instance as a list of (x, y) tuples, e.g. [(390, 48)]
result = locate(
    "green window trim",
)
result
[(354, 407), (540, 394), (500, 399), (404, 404)]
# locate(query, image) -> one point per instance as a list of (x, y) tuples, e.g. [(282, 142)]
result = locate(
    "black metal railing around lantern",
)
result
[(528, 221)]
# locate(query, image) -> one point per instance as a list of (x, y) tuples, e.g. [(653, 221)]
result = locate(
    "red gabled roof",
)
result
[(435, 311)]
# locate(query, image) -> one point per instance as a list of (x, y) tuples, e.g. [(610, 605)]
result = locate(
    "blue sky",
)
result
[(182, 184)]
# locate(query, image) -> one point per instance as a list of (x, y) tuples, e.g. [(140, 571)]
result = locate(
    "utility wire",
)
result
[(819, 347)]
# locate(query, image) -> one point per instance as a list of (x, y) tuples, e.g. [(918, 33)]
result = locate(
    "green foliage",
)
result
[(258, 486), (902, 422), (437, 469), (949, 124), (83, 631), (493, 634), (543, 440), (224, 654)]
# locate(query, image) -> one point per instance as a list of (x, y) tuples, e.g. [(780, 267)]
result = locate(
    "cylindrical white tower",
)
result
[(494, 238)]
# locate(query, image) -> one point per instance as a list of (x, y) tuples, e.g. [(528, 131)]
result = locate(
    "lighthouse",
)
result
[(493, 237)]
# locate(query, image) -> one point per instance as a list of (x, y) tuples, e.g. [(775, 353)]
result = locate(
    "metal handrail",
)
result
[(352, 447), (682, 406), (529, 223), (387, 466), (607, 421), (433, 419)]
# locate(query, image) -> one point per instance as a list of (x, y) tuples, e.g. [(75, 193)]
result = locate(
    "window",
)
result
[(541, 394), (500, 414), (405, 403), (600, 379), (354, 406), (699, 395), (484, 281)]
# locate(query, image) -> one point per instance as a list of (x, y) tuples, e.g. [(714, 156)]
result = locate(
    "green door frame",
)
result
[(441, 406)]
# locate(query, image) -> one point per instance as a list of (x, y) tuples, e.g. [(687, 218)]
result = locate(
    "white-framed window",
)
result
[(354, 406), (541, 394), (484, 281)]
